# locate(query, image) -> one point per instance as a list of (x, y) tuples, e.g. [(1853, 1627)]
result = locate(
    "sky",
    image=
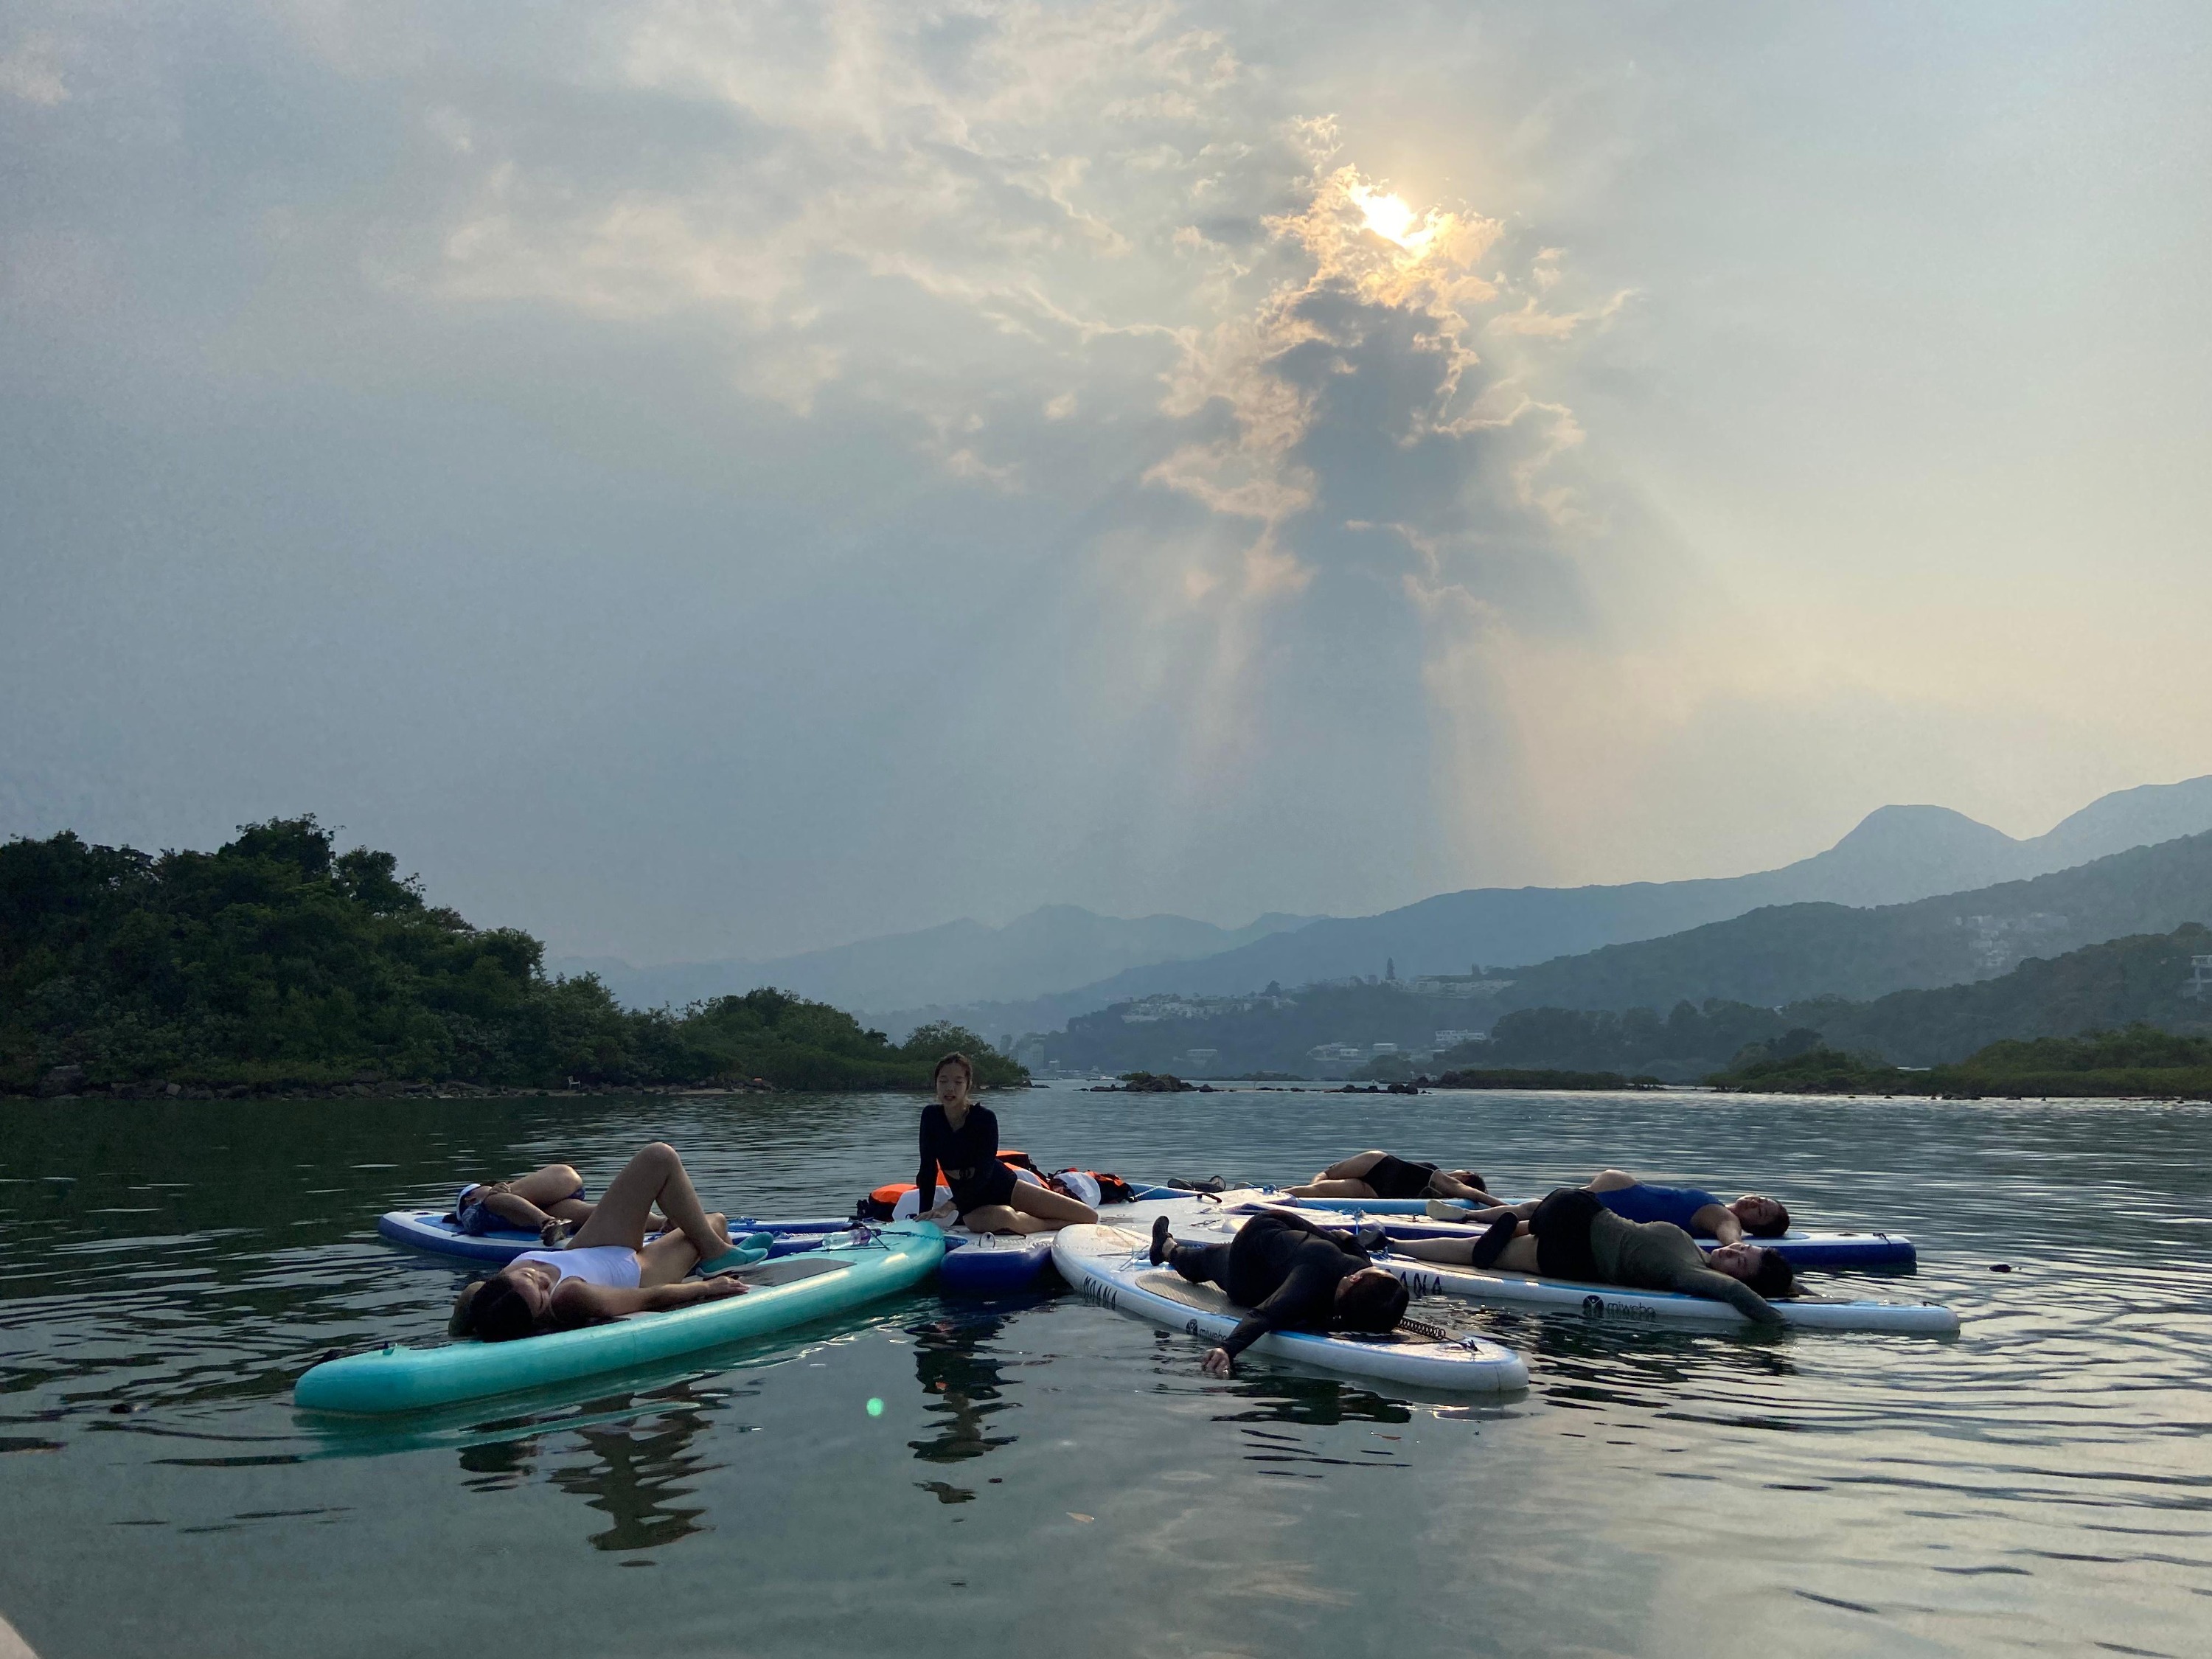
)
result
[(703, 480)]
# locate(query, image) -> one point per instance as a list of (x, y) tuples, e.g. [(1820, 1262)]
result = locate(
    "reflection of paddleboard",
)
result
[(1109, 1265), (1617, 1304), (991, 1264), (841, 1274), (426, 1230), (1406, 1218)]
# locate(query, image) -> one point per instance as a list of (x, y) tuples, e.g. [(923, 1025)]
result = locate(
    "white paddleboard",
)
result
[(1621, 1306), (1110, 1265)]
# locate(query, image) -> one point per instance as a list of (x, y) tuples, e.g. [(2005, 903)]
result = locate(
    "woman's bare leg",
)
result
[(1030, 1210), (670, 1258), (655, 1177), (516, 1211), (1612, 1181), (1518, 1257), (1332, 1187), (1352, 1167), (547, 1187)]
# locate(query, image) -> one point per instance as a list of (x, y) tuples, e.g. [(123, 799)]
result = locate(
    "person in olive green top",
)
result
[(1572, 1236)]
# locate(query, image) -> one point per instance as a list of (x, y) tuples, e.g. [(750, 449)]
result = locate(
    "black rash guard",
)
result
[(969, 1156), (1286, 1270)]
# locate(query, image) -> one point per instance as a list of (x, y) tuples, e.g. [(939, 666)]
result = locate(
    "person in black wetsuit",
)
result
[(1292, 1275), (1572, 1236), (961, 1139), (1379, 1175)]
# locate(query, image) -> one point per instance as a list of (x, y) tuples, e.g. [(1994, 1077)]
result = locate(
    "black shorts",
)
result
[(1562, 1227), (992, 1186), (1394, 1177)]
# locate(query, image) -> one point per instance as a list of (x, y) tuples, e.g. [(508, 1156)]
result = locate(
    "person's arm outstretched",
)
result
[(1718, 1223), (1305, 1288), (577, 1302), (1717, 1287)]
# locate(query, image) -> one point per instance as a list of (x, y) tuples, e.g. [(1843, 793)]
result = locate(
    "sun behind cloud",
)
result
[(1392, 217)]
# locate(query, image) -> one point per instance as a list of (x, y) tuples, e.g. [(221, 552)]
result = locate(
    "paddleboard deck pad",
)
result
[(1109, 1265), (843, 1273), (1619, 1304), (1406, 1218)]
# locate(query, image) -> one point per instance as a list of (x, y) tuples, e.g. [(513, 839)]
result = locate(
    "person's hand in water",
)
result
[(1217, 1363)]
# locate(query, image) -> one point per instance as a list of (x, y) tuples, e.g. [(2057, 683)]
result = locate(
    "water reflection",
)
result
[(962, 1386), (1318, 1402), (635, 1472)]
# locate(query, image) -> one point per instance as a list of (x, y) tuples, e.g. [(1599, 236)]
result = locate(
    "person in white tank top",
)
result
[(615, 1267), (609, 1270)]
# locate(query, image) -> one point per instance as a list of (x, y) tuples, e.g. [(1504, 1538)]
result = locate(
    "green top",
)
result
[(1657, 1255)]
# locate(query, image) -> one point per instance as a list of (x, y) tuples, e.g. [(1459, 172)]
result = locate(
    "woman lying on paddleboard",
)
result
[(1690, 1208), (1291, 1274), (1570, 1234), (549, 1202), (608, 1270), (1378, 1175), (961, 1139)]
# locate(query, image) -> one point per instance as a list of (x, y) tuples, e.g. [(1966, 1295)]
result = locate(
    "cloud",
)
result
[(711, 479), (31, 70)]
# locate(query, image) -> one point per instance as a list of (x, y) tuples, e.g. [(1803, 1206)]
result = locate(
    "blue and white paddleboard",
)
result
[(996, 1264), (1110, 1265), (1406, 1218)]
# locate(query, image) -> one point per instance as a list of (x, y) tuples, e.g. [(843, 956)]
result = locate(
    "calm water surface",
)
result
[(1048, 1474)]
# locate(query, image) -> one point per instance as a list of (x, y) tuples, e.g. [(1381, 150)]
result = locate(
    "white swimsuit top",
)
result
[(614, 1266)]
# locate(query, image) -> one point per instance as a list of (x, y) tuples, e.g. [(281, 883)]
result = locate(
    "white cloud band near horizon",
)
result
[(708, 480)]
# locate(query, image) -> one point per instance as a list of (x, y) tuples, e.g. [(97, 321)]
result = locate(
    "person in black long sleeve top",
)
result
[(1292, 1275), (961, 1139)]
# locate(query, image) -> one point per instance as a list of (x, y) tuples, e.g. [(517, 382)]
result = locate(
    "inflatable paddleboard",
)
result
[(994, 1264), (1617, 1304), (1109, 1265), (1406, 1218), (843, 1273), (426, 1230)]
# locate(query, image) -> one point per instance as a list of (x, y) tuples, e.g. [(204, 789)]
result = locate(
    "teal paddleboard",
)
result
[(843, 1275)]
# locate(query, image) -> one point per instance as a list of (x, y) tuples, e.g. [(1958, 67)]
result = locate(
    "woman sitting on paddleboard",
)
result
[(1690, 1208), (1572, 1235), (961, 1139), (1291, 1274), (1378, 1175), (609, 1270)]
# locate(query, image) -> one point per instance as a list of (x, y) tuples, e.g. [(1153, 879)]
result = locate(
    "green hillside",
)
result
[(2139, 1061), (276, 962), (1797, 953), (2136, 980)]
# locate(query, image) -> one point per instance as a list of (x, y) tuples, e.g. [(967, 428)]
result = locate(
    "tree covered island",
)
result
[(277, 963)]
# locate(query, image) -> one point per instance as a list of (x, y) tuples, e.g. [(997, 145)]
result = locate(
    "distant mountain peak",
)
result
[(1888, 825)]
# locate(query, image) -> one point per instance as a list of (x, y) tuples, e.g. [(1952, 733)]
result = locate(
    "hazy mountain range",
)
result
[(1060, 945), (1043, 968), (1793, 952)]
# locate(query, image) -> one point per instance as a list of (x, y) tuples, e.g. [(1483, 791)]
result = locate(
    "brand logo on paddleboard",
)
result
[(1593, 1307)]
